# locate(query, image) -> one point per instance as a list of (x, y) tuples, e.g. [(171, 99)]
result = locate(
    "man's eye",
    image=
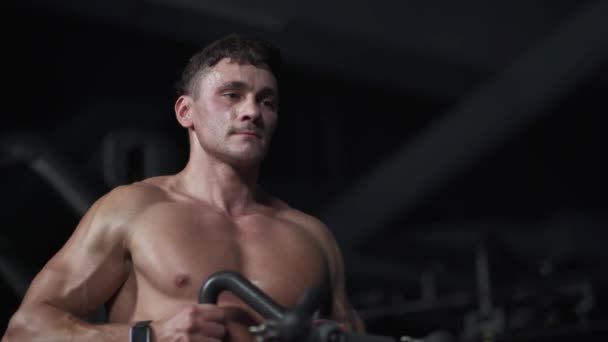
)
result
[(232, 96), (268, 103)]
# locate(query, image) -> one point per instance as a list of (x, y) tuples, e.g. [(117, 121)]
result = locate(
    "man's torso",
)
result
[(174, 246)]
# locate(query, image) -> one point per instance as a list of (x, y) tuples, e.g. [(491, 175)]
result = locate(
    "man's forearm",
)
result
[(358, 324), (42, 322), (353, 321)]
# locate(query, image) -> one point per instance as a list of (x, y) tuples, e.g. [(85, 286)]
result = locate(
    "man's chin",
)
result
[(250, 159)]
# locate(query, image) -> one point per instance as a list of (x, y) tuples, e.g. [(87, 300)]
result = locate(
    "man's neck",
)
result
[(228, 188)]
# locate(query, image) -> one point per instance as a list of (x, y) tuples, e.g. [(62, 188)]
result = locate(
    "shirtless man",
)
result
[(145, 249)]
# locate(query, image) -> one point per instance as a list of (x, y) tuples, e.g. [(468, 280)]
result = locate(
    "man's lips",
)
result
[(249, 133)]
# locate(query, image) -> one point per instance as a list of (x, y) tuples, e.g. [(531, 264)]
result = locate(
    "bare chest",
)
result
[(174, 251)]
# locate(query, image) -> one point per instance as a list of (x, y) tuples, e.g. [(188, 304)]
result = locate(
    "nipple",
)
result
[(181, 280)]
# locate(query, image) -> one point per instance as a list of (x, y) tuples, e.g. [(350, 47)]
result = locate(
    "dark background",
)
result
[(455, 148)]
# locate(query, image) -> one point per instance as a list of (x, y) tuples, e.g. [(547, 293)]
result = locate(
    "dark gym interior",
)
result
[(455, 148)]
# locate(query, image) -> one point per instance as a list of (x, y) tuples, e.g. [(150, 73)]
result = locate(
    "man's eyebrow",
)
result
[(240, 85), (232, 85), (267, 92)]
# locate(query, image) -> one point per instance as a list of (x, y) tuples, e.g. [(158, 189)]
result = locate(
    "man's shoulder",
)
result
[(318, 230), (301, 218), (306, 221), (127, 201), (135, 194), (285, 211)]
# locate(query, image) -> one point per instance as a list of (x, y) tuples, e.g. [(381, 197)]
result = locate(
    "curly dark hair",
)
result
[(238, 48)]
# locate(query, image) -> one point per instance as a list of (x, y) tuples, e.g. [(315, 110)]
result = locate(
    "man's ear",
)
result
[(183, 109)]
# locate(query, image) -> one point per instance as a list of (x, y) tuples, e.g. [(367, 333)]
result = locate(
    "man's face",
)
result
[(235, 112)]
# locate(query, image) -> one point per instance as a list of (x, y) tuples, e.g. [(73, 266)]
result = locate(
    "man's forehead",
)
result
[(228, 71)]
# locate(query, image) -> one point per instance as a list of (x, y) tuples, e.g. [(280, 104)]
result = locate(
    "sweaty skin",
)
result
[(177, 243), (145, 249)]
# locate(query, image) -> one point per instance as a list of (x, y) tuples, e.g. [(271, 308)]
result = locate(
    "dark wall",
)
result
[(537, 202)]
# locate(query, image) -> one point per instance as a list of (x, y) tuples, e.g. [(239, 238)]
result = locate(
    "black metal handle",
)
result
[(242, 288), (368, 338), (292, 325)]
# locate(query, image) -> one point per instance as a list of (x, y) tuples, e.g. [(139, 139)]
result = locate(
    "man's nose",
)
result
[(249, 110)]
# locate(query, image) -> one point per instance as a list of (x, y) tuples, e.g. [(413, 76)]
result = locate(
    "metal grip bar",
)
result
[(329, 332), (242, 288), (368, 338), (292, 325)]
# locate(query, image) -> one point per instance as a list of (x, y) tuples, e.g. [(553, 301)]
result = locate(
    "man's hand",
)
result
[(317, 322), (193, 323)]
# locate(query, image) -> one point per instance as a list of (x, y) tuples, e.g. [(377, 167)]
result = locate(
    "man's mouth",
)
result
[(249, 133)]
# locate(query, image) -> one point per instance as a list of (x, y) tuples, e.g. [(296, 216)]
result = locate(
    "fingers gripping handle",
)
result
[(330, 332), (291, 325), (243, 289), (368, 338)]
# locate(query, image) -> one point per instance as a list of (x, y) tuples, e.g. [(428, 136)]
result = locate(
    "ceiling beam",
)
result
[(484, 121), (324, 50)]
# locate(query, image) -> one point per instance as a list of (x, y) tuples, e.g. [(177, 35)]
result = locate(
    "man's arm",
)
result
[(342, 311), (85, 272)]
